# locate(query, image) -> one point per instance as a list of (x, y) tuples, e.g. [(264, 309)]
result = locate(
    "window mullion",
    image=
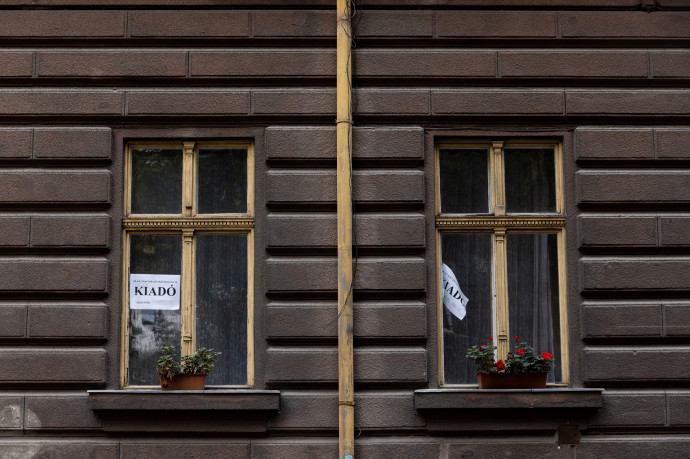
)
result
[(188, 179), (187, 296), (502, 321), (497, 179)]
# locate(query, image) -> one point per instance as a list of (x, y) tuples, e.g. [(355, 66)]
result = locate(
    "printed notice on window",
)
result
[(154, 291)]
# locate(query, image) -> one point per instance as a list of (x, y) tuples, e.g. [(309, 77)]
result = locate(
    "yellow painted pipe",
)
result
[(346, 398)]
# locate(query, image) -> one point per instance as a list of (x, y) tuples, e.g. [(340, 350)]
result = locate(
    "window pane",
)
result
[(222, 181), (156, 181), (464, 178), (468, 255), (533, 293), (221, 304), (150, 330), (530, 180)]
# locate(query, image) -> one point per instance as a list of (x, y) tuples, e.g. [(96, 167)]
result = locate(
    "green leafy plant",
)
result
[(523, 360), (201, 362)]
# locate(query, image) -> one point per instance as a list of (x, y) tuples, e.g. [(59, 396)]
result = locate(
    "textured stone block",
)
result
[(631, 408), (639, 365), (11, 412), (562, 64), (54, 275), (88, 187), (627, 102), (306, 410), (211, 449), (189, 23), (489, 24), (592, 143), (388, 143), (75, 231), (634, 274), (628, 24), (58, 449), (677, 319), (188, 102), (670, 64), (319, 274), (389, 410), (533, 448), (399, 366), (371, 320), (294, 102), (286, 447), (16, 63), (674, 231), (63, 102), (640, 186), (427, 62), (301, 142), (47, 366), (640, 447), (15, 143), (68, 411), (63, 321), (72, 143), (392, 101), (129, 63), (293, 24), (496, 101), (678, 408), (371, 448), (672, 143), (14, 231), (12, 321), (620, 321), (301, 187), (269, 63), (621, 231), (394, 24), (62, 23)]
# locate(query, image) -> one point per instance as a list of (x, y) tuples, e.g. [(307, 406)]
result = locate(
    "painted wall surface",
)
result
[(611, 78)]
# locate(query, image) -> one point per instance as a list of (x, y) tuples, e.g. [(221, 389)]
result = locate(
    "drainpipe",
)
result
[(346, 398)]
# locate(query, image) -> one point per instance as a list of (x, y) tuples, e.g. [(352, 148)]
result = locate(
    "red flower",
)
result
[(518, 338), (546, 355), (520, 351), (481, 348), (490, 338), (500, 366)]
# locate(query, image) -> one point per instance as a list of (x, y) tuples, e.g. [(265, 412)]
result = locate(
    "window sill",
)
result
[(146, 411), (450, 410)]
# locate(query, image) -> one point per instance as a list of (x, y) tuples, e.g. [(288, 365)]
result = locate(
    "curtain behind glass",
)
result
[(156, 181), (469, 256), (533, 301), (530, 180), (221, 304), (150, 330), (222, 180), (464, 180)]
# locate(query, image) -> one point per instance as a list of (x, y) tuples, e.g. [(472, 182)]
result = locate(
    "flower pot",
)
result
[(183, 382), (511, 380)]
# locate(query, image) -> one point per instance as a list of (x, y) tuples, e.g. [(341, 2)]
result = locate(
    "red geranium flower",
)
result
[(520, 351), (546, 355), (500, 366), (490, 338)]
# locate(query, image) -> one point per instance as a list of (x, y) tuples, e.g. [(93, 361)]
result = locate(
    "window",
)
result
[(501, 240), (188, 255)]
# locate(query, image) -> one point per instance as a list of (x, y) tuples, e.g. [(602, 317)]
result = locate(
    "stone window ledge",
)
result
[(222, 411), (490, 410)]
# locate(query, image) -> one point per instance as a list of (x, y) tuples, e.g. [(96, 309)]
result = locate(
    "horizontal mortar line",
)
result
[(638, 348), (634, 301), (618, 257)]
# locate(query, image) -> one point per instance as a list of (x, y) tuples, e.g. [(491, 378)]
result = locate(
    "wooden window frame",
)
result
[(187, 224), (498, 224)]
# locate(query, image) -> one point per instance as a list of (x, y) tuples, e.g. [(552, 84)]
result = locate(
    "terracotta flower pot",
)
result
[(511, 380), (183, 382)]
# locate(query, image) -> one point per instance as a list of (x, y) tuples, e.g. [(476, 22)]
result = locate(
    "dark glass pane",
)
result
[(150, 330), (533, 293), (468, 255), (222, 180), (530, 180), (156, 181), (221, 304), (464, 180)]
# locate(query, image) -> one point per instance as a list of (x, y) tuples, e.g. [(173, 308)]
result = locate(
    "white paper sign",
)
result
[(154, 291), (453, 298)]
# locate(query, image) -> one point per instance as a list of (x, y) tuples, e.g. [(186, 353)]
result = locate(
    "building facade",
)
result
[(536, 149)]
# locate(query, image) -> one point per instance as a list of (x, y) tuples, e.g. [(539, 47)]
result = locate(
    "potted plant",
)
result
[(522, 369), (190, 373)]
